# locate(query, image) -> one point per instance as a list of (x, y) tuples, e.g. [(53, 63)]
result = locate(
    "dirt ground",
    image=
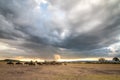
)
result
[(60, 72)]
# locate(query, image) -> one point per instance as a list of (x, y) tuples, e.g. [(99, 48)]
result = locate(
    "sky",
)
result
[(69, 28)]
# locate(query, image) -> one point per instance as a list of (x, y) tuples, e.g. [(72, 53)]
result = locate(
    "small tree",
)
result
[(102, 60), (116, 59)]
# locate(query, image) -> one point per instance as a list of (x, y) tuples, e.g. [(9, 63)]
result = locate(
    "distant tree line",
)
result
[(114, 60)]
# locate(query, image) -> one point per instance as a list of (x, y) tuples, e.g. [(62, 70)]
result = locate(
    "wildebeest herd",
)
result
[(36, 63)]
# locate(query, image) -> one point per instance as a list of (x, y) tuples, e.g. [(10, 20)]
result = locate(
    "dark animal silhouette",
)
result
[(19, 63), (10, 63), (39, 63)]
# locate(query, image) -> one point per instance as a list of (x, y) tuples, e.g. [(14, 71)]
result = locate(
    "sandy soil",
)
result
[(60, 72)]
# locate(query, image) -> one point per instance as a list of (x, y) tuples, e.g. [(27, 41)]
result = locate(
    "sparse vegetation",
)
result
[(63, 72), (102, 60), (116, 59)]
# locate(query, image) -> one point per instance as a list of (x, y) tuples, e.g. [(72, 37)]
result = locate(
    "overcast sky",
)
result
[(70, 28)]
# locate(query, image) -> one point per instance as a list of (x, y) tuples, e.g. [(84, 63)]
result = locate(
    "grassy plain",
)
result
[(60, 72)]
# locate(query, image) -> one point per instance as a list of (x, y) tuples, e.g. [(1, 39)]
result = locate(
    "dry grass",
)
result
[(61, 72)]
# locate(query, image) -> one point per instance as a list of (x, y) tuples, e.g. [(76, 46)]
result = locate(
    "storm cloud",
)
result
[(76, 28)]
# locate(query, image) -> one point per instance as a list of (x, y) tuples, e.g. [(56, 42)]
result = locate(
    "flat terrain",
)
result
[(60, 72)]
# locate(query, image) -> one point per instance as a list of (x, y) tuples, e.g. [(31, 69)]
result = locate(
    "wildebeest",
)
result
[(10, 63), (19, 63), (26, 63), (39, 63)]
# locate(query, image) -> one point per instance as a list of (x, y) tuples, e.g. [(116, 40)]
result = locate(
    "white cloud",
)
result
[(114, 48), (4, 46)]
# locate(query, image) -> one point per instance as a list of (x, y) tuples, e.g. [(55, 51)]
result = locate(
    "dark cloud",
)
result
[(81, 27)]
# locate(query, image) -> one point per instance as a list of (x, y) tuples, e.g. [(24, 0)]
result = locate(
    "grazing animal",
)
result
[(10, 63), (39, 63), (19, 63), (26, 63)]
